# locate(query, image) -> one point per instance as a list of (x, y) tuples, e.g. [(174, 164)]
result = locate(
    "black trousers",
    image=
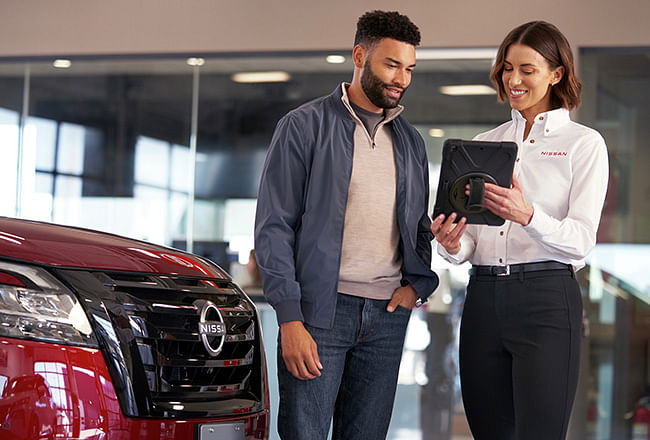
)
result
[(520, 354)]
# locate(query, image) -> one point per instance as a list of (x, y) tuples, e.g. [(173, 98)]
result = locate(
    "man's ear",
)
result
[(359, 54)]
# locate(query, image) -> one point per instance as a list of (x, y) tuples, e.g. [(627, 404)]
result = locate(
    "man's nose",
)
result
[(402, 78)]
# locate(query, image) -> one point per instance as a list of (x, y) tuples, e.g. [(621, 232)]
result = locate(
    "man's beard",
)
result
[(374, 89)]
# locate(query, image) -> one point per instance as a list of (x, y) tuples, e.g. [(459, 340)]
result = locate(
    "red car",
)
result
[(104, 337)]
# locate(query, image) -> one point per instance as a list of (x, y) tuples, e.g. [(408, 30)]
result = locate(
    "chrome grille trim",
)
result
[(228, 388), (163, 322), (164, 361)]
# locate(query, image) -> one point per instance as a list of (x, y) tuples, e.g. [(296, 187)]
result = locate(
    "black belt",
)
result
[(517, 268)]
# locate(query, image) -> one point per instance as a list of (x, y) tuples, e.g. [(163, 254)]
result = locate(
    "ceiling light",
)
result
[(261, 77), (62, 63), (335, 59), (467, 90), (194, 61), (456, 54), (436, 132)]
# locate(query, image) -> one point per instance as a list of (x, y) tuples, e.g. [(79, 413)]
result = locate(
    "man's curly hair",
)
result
[(376, 25)]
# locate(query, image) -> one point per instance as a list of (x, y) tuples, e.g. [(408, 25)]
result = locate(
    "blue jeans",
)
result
[(360, 357)]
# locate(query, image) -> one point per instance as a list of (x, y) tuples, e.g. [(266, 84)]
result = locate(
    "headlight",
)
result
[(35, 305)]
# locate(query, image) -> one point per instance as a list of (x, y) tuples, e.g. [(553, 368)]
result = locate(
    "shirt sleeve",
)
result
[(279, 207), (574, 236)]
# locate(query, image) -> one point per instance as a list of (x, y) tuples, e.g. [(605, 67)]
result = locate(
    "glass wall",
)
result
[(614, 397), (11, 97), (166, 149)]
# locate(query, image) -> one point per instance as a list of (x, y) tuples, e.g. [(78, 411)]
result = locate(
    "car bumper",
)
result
[(76, 399)]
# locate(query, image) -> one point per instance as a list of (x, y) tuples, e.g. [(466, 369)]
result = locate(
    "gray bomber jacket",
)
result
[(301, 209)]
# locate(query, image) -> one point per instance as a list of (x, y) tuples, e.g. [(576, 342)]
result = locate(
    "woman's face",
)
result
[(527, 79)]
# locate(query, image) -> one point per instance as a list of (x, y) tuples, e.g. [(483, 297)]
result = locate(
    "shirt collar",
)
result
[(549, 121), (390, 113)]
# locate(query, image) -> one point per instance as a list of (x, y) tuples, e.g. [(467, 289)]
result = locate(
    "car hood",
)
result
[(66, 246)]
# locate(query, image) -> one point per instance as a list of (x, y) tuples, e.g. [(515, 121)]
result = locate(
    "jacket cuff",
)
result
[(422, 285), (288, 311)]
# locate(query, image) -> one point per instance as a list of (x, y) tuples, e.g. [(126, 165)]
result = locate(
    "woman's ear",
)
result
[(556, 75)]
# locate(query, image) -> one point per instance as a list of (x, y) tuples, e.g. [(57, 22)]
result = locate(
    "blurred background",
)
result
[(151, 119)]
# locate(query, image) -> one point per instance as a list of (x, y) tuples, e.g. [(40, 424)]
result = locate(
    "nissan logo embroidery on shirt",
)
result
[(553, 153), (212, 328)]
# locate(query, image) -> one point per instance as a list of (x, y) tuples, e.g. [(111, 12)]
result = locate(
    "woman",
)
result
[(521, 325)]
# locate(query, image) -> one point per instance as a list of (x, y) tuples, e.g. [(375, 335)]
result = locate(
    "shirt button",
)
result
[(547, 130), (532, 141), (501, 233), (517, 160), (541, 118), (500, 260)]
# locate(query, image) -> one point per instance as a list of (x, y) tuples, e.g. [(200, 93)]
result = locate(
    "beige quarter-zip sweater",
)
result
[(370, 257)]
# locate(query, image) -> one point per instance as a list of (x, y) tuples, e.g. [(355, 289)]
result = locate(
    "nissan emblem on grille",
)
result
[(212, 328)]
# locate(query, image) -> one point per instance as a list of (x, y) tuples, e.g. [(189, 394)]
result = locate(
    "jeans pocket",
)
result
[(403, 310)]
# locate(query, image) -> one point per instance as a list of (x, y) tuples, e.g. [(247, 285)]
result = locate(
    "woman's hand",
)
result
[(508, 203), (447, 233)]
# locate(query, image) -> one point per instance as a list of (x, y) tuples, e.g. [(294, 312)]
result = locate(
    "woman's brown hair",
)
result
[(546, 39)]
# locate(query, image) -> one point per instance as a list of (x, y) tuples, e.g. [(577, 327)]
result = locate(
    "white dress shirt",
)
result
[(563, 170)]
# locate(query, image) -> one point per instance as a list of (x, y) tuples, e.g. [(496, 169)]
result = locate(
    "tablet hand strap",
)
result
[(476, 193)]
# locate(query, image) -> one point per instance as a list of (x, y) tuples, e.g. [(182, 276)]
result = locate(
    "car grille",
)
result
[(156, 319)]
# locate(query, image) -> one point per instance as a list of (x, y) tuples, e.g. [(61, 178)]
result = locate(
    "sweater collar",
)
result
[(389, 113)]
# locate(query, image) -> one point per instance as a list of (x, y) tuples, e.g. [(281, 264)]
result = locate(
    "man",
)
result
[(343, 242)]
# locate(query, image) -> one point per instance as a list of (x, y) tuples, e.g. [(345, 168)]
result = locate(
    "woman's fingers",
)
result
[(448, 233), (448, 224), (455, 234), (436, 224)]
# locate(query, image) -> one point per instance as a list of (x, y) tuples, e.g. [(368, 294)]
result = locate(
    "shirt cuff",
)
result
[(455, 258), (541, 223)]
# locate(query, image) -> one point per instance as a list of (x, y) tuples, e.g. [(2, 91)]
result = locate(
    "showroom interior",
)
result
[(151, 119)]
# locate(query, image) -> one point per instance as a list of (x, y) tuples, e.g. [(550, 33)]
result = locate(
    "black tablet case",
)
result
[(474, 163)]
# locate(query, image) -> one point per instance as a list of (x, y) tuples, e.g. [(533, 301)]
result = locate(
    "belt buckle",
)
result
[(503, 271)]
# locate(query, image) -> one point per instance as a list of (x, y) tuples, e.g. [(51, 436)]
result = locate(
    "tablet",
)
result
[(473, 163)]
